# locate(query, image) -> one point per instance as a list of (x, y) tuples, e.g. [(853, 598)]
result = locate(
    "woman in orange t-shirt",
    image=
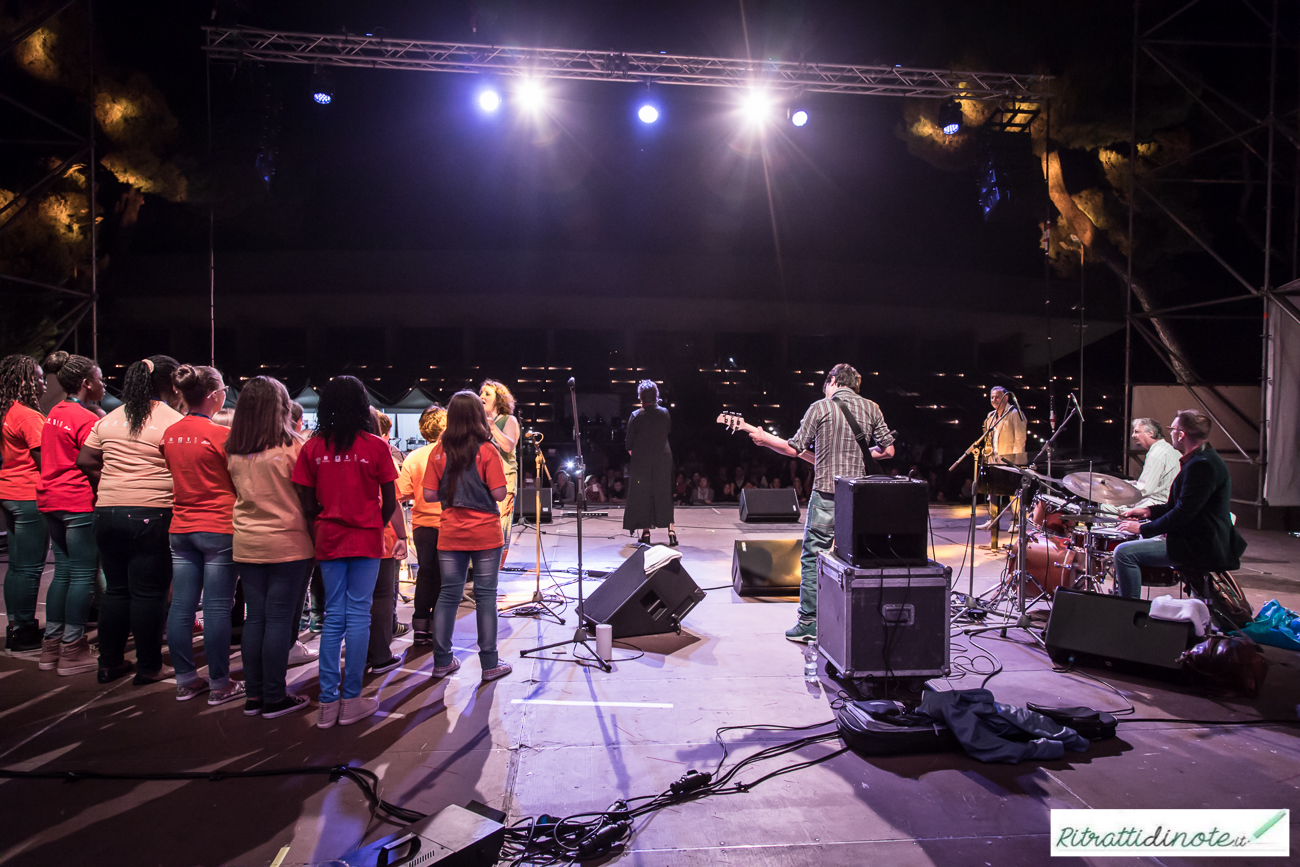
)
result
[(426, 517), (21, 385), (466, 476)]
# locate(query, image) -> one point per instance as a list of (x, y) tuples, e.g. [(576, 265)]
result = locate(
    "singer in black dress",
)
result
[(650, 474)]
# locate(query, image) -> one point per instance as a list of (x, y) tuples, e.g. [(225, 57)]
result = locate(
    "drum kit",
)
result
[(1070, 543)]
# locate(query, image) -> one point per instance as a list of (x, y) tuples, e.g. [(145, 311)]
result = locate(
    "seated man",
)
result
[(1196, 522), (1158, 470)]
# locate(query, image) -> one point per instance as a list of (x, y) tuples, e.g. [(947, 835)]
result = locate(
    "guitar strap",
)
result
[(858, 433)]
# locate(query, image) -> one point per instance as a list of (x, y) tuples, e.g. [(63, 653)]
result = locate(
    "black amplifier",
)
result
[(888, 621), (882, 521)]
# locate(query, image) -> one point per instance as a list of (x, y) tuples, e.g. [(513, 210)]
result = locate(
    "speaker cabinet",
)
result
[(635, 603), (883, 622), (769, 505), (526, 505), (882, 521), (766, 567), (1114, 632)]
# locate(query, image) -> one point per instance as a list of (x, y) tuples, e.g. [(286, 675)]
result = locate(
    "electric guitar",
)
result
[(733, 421)]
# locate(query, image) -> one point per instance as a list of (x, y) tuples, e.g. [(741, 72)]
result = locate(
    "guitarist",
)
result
[(826, 429)]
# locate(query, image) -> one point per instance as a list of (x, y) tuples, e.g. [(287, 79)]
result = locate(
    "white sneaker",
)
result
[(357, 709), (300, 654), (328, 715)]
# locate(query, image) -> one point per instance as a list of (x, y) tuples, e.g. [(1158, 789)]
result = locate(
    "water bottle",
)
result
[(810, 662)]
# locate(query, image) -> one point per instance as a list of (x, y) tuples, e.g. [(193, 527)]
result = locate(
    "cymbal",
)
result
[(1101, 488), (1085, 519)]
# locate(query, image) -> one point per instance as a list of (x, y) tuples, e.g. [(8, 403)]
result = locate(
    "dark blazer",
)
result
[(1196, 518)]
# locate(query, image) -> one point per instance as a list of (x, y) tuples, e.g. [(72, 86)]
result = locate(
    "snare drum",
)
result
[(1047, 511)]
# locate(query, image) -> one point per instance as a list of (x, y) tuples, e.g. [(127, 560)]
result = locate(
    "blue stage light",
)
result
[(648, 113), (322, 97), (799, 118), (489, 101)]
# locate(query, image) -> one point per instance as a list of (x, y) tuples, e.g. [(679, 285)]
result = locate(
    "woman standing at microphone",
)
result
[(499, 405)]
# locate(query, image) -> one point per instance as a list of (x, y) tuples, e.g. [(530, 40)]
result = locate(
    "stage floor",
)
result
[(560, 738)]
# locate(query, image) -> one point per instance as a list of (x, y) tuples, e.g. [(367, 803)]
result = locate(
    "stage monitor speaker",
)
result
[(1114, 632), (526, 505), (766, 567), (769, 505), (470, 836), (882, 521), (635, 603)]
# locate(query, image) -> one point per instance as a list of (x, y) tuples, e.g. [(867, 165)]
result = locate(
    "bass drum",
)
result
[(1049, 561)]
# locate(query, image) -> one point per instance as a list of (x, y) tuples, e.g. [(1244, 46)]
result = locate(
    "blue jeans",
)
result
[(76, 566), (201, 564), (455, 567), (818, 536), (274, 593), (1130, 557), (29, 539), (349, 589)]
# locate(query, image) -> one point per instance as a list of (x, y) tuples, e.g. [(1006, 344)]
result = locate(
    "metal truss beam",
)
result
[(371, 52)]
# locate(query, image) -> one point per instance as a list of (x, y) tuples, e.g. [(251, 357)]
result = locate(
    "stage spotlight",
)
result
[(950, 117), (647, 113), (530, 94), (756, 106), (799, 118), (489, 100), (322, 91)]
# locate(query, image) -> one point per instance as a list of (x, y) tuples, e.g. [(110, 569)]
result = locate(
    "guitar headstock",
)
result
[(733, 421)]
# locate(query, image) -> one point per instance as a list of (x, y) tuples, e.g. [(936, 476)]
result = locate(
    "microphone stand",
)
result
[(538, 601), (581, 635), (974, 448)]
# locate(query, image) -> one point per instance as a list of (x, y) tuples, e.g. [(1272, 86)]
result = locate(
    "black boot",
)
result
[(23, 640)]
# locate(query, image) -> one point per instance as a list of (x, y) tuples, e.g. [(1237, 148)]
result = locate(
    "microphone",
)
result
[(1075, 401), (570, 382), (1017, 403)]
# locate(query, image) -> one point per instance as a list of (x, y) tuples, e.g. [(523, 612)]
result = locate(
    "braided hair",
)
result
[(146, 381), (344, 412), (21, 381), (73, 373)]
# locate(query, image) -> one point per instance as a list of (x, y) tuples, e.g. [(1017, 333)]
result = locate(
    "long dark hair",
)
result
[(21, 381), (467, 430), (344, 412), (145, 381), (263, 418), (73, 372)]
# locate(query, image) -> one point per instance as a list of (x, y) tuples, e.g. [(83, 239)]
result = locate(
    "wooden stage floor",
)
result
[(561, 738)]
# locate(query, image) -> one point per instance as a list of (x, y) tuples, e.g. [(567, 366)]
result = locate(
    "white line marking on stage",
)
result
[(591, 703), (392, 713)]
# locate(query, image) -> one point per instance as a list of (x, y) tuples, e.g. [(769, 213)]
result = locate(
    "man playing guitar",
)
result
[(828, 429)]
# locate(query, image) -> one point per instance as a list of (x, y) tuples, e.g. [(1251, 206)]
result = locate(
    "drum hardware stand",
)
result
[(581, 635), (541, 471)]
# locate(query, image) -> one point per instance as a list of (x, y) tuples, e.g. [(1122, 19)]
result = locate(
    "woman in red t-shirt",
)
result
[(67, 501), (200, 535), (346, 479), (21, 385), (466, 476)]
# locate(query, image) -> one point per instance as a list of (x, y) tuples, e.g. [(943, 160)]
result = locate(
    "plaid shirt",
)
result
[(825, 430)]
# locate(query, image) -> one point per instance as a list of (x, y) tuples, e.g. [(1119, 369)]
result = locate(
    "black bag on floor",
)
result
[(1095, 725), (887, 728)]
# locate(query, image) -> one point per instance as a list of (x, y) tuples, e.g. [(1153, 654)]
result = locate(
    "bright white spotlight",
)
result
[(799, 118), (489, 100), (756, 106), (531, 96), (648, 113)]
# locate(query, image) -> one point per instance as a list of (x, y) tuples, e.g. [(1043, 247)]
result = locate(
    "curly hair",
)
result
[(647, 392), (21, 381), (343, 413), (54, 362), (433, 421), (505, 401), (73, 372), (146, 381)]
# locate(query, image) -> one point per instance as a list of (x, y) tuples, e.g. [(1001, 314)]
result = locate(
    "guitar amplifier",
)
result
[(883, 622), (882, 521)]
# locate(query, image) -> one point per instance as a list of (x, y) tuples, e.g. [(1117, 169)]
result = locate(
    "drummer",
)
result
[(1158, 470)]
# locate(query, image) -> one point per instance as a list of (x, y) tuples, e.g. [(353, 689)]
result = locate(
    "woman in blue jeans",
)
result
[(201, 529), (466, 476), (21, 385), (346, 479), (272, 543)]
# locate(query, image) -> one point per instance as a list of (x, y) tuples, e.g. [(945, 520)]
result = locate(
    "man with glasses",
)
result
[(1196, 523)]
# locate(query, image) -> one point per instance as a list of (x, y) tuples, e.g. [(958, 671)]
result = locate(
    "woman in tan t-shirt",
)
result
[(133, 513), (273, 548)]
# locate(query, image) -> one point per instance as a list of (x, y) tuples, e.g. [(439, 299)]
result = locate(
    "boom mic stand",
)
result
[(580, 635), (538, 601), (975, 448)]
